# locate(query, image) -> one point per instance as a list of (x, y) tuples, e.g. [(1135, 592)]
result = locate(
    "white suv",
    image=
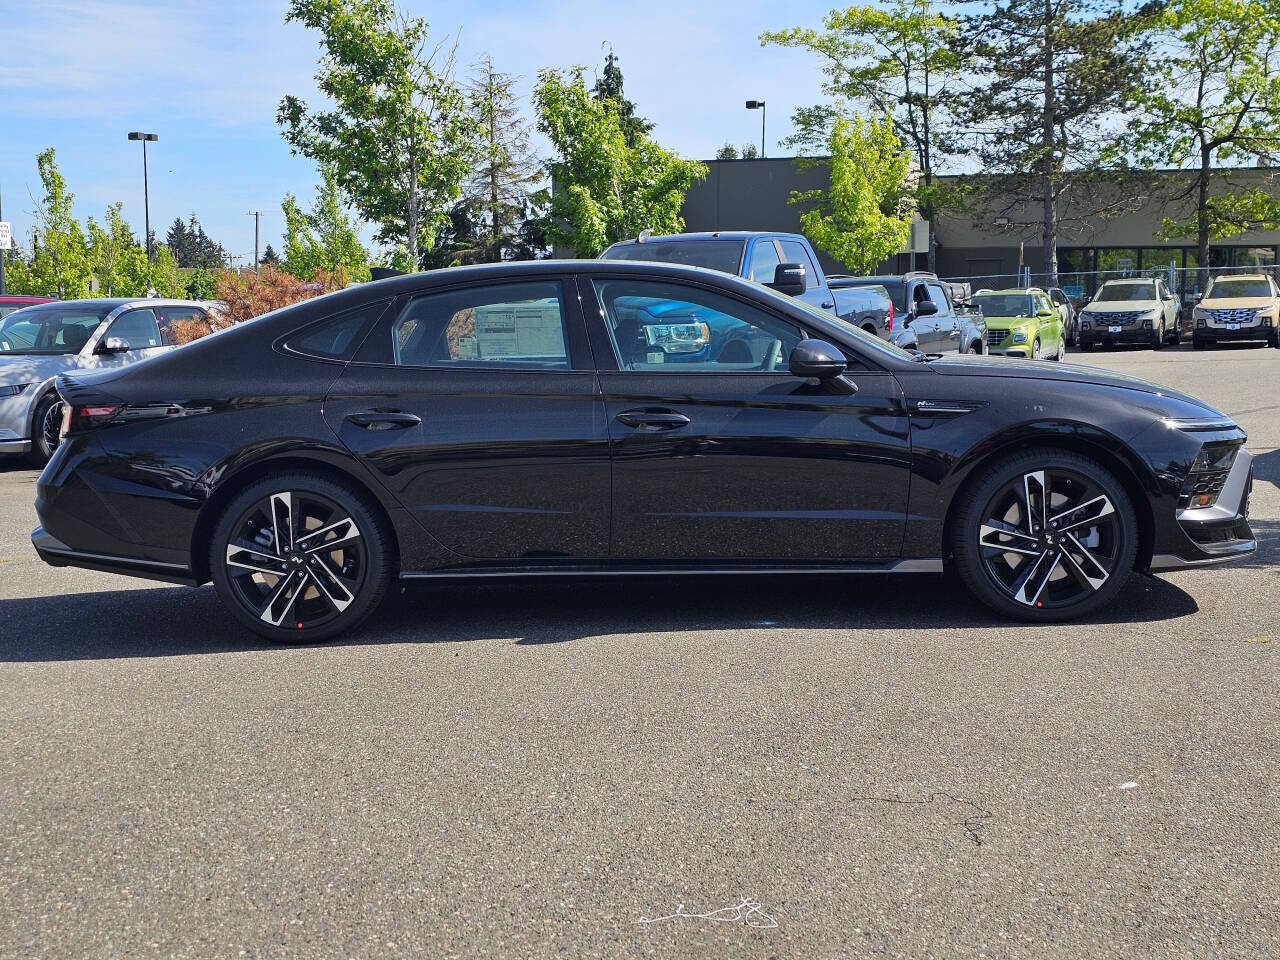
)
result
[(1137, 310), (1240, 307)]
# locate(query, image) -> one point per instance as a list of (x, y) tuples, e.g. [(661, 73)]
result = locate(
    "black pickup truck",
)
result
[(757, 255)]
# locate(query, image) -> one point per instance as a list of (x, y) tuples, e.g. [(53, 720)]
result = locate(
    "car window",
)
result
[(138, 328), (61, 328), (171, 315), (510, 325), (1058, 297), (337, 337), (764, 262), (793, 251), (1004, 304), (655, 326), (1239, 288), (939, 296), (712, 254), (1125, 292)]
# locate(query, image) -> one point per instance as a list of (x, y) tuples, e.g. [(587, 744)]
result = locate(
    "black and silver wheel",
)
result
[(46, 428), (1062, 350), (300, 558), (1157, 337), (1036, 350), (1045, 535)]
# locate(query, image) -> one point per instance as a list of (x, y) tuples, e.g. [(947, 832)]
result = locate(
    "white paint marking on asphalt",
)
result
[(748, 912), (1128, 785)]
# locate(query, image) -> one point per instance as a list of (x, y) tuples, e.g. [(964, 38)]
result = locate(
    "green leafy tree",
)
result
[(202, 284), (60, 263), (163, 275), (1051, 76), (609, 86), (865, 216), (1213, 98), (727, 152), (900, 59), (398, 137), (506, 169), (604, 189), (323, 238), (117, 260)]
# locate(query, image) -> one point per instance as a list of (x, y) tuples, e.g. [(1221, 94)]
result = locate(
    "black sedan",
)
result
[(544, 418)]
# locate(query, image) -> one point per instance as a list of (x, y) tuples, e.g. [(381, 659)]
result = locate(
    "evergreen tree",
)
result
[(609, 87), (727, 152), (270, 257)]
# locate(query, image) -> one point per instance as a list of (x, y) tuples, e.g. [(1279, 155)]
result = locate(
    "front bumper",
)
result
[(1219, 334), (1134, 334), (1216, 534), (15, 414)]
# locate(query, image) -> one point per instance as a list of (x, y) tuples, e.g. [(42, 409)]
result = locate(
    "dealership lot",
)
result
[(529, 770)]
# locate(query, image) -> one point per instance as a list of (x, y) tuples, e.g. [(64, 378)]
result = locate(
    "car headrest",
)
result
[(75, 337)]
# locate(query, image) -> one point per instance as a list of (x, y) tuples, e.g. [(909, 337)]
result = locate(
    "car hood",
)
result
[(37, 367), (1123, 306), (1059, 373), (1236, 303)]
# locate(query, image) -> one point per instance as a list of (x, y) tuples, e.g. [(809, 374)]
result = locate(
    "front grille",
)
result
[(1232, 314), (996, 337), (1126, 318)]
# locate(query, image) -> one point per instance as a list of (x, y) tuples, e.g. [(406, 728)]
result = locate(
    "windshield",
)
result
[(64, 328), (1005, 305), (722, 255), (1125, 292), (1253, 287), (860, 336)]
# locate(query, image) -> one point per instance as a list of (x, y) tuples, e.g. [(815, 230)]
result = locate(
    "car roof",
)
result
[(1022, 290), (1119, 280), (737, 235), (114, 303), (1240, 276)]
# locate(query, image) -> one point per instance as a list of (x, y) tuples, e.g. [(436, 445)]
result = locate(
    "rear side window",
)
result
[(171, 315), (515, 325), (337, 337)]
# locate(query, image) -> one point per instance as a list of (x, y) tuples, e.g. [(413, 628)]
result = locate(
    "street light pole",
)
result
[(146, 189), (257, 219), (759, 105)]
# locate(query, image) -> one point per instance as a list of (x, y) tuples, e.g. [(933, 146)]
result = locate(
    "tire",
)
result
[(975, 348), (1036, 353), (1197, 343), (45, 428), (1275, 339), (1157, 337), (1086, 346), (333, 590), (1005, 570)]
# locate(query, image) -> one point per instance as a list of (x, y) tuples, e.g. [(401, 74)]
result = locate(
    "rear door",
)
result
[(731, 458), (479, 408)]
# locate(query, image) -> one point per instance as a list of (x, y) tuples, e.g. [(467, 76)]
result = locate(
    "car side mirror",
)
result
[(816, 360), (926, 308), (114, 345), (788, 278)]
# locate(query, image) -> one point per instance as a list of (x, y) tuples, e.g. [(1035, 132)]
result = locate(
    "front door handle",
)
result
[(828, 304), (383, 419), (653, 420)]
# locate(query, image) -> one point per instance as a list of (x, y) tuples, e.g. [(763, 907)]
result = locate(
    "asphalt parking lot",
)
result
[(863, 767)]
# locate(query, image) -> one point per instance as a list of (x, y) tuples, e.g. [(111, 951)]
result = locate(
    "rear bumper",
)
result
[(1216, 534), (57, 554)]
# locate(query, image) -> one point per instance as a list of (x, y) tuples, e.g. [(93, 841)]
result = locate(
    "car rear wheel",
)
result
[(46, 428), (300, 558), (1045, 535), (1035, 350)]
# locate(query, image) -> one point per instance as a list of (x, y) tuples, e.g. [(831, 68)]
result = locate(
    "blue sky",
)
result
[(77, 75)]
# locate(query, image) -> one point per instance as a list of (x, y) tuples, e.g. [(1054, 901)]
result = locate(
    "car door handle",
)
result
[(383, 419), (828, 304), (653, 419)]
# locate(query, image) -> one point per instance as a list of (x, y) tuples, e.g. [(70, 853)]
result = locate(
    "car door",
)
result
[(732, 458), (174, 317), (478, 407), (946, 324), (924, 327), (139, 328), (815, 294)]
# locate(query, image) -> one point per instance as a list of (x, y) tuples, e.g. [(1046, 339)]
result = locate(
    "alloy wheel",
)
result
[(1050, 538), (295, 560), (51, 426)]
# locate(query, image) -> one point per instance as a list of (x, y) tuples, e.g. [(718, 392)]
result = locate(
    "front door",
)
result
[(479, 409), (719, 453), (945, 323), (140, 329)]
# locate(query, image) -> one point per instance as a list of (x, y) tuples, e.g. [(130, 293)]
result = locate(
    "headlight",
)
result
[(677, 337), (13, 389), (1019, 337), (1209, 471)]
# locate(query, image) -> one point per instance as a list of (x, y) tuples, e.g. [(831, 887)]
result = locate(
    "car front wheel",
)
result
[(46, 428), (1045, 536), (299, 557)]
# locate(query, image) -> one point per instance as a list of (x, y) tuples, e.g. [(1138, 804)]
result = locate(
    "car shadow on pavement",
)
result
[(175, 621)]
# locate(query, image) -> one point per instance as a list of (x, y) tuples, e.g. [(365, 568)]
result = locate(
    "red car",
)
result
[(9, 304)]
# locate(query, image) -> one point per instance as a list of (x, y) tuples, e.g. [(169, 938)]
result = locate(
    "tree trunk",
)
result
[(1202, 218), (1046, 161), (412, 224)]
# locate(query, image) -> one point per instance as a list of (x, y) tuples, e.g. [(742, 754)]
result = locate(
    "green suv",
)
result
[(1022, 323)]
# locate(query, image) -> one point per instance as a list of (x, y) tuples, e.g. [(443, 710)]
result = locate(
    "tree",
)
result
[(1053, 72), (248, 295), (749, 151), (399, 137), (269, 256), (604, 189), (608, 87), (192, 247), (899, 60), (497, 188), (323, 238), (1213, 96), (727, 152), (60, 264), (117, 260), (866, 215)]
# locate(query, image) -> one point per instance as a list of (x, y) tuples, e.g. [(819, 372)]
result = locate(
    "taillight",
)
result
[(76, 417), (890, 327)]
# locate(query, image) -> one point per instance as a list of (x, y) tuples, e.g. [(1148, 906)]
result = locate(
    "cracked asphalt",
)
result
[(877, 766)]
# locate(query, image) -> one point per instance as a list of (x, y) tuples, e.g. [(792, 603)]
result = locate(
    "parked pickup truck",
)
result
[(757, 255), (933, 320)]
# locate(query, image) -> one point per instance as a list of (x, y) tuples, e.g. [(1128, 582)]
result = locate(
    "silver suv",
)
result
[(38, 343)]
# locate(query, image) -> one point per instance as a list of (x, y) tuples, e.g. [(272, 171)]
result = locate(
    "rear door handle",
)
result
[(653, 419), (383, 419)]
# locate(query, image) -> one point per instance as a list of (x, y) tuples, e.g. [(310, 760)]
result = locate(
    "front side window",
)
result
[(939, 296), (764, 262), (60, 328), (794, 252), (516, 325), (138, 328), (657, 326)]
